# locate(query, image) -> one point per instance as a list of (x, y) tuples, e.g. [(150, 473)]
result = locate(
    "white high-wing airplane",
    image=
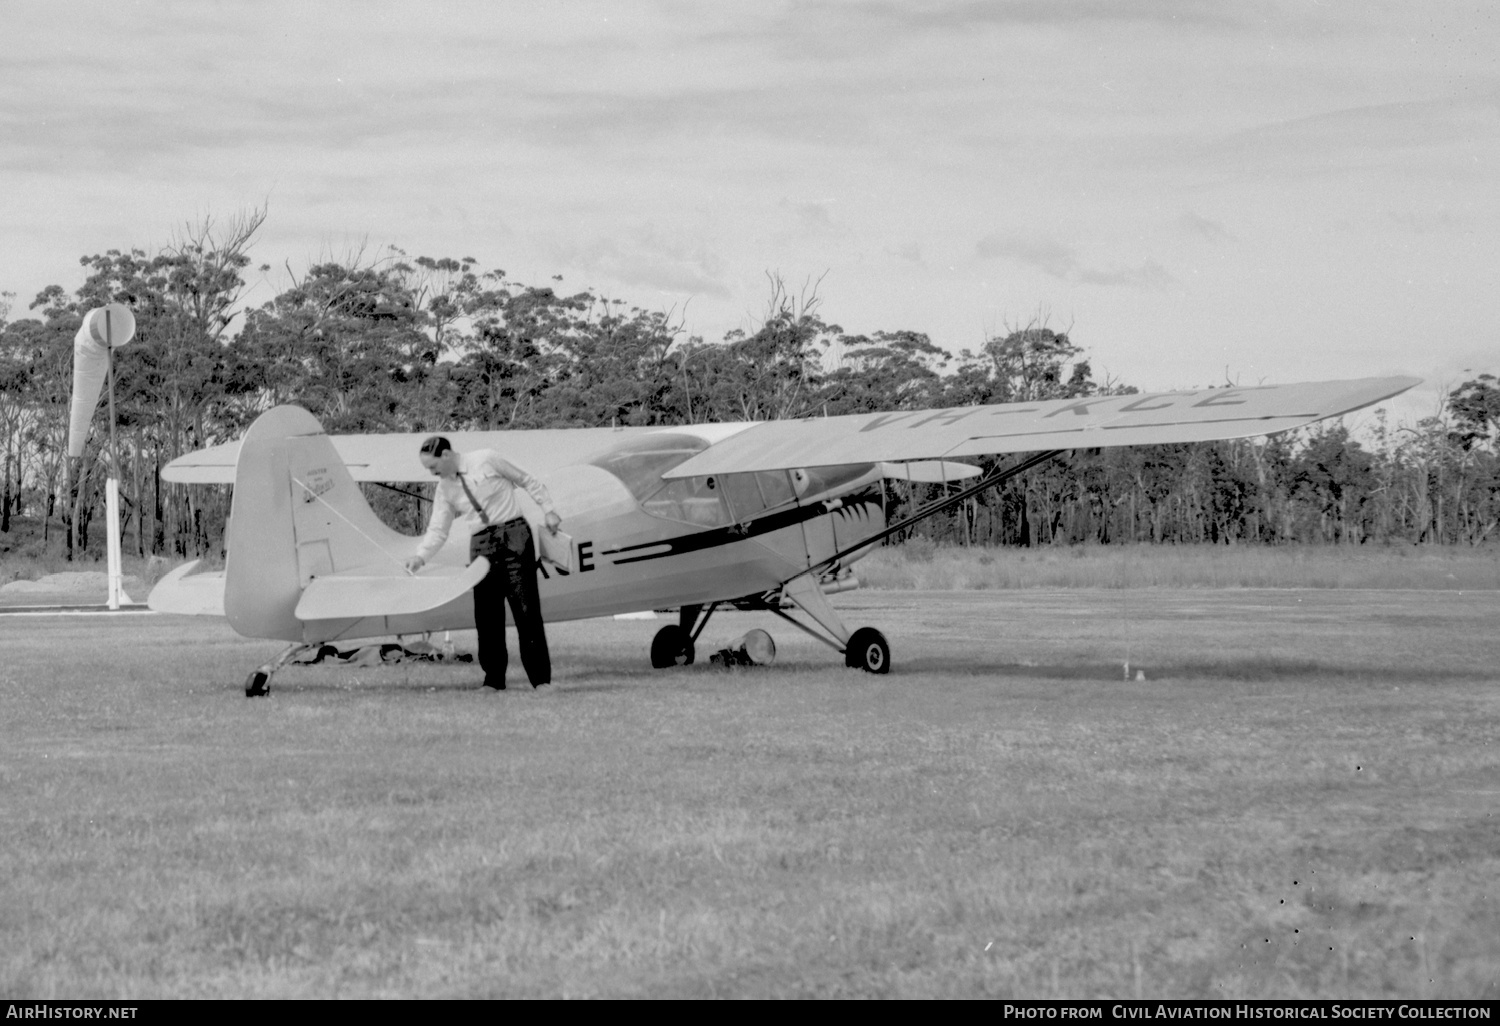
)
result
[(764, 515)]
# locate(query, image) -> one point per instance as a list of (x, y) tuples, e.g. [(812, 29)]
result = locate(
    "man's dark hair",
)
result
[(436, 446)]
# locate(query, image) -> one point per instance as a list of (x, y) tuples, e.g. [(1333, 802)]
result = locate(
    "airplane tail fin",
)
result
[(296, 514)]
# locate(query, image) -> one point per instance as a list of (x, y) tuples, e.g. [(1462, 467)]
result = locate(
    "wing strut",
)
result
[(994, 477)]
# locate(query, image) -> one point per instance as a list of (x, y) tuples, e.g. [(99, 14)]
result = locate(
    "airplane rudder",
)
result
[(262, 582)]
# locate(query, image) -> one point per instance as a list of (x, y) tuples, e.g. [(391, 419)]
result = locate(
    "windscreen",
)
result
[(640, 463)]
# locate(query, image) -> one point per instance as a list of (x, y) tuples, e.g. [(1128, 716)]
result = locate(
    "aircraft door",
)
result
[(852, 489), (818, 538), (752, 496)]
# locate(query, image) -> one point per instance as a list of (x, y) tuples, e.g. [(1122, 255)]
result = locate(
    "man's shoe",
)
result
[(494, 685), (544, 684)]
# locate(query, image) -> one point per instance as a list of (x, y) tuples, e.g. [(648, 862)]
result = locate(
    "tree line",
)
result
[(385, 342)]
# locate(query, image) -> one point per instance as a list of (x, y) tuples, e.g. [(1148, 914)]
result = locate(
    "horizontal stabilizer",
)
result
[(189, 591), (361, 593)]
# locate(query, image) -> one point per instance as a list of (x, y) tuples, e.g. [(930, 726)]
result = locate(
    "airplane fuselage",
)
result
[(639, 541)]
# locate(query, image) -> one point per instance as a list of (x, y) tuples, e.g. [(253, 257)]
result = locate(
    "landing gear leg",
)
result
[(864, 649), (258, 684)]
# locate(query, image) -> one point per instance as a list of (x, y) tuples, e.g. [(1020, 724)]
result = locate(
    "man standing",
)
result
[(481, 487)]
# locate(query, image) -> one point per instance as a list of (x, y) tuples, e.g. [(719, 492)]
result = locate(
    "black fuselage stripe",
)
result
[(716, 536)]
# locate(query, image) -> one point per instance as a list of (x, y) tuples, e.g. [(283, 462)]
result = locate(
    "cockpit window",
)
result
[(751, 494), (716, 500), (817, 480), (693, 500), (641, 463)]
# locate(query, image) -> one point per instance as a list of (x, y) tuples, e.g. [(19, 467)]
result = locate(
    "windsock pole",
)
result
[(112, 485), (90, 368)]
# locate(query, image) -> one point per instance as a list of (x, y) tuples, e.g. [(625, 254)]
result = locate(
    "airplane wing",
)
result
[(392, 457), (1085, 423), (891, 438)]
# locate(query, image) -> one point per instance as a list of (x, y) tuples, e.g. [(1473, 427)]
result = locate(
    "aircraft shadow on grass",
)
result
[(384, 679), (375, 685)]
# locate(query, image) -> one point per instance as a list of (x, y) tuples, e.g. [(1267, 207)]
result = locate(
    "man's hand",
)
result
[(553, 522), (414, 564)]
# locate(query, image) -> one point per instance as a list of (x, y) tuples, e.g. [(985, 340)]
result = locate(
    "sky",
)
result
[(1199, 191)]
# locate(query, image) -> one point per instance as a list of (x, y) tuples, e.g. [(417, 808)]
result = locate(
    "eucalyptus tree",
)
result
[(514, 352), (1475, 407), (34, 391), (616, 366), (772, 373), (183, 299), (889, 370), (342, 341)]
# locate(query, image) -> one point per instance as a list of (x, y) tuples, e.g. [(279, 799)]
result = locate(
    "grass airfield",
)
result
[(1300, 799)]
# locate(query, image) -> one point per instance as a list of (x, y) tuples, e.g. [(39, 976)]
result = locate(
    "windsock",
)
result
[(91, 364)]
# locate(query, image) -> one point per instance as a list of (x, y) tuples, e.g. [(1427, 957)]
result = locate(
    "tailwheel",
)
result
[(258, 684), (868, 651), (672, 646)]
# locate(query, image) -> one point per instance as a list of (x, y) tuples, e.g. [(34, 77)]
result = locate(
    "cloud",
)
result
[(910, 252), (1203, 228), (1375, 135), (812, 221), (1061, 262), (643, 257), (968, 13)]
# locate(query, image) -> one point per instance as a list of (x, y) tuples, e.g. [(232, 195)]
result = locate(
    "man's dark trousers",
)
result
[(512, 578)]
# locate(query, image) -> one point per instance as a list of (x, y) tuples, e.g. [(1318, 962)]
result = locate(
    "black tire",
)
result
[(672, 646), (868, 651), (258, 684)]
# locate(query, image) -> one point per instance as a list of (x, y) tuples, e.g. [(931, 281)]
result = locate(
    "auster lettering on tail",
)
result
[(318, 482)]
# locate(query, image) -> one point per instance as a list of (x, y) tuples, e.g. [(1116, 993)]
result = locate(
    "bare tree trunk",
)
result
[(158, 538), (135, 491), (74, 534), (5, 502)]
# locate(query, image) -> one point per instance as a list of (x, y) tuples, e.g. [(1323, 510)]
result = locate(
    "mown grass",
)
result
[(1299, 800), (921, 565)]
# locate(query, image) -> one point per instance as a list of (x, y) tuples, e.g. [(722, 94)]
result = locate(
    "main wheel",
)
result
[(258, 684), (672, 646), (868, 651)]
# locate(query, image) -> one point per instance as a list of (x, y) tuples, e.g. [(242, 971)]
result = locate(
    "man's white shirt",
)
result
[(493, 480)]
